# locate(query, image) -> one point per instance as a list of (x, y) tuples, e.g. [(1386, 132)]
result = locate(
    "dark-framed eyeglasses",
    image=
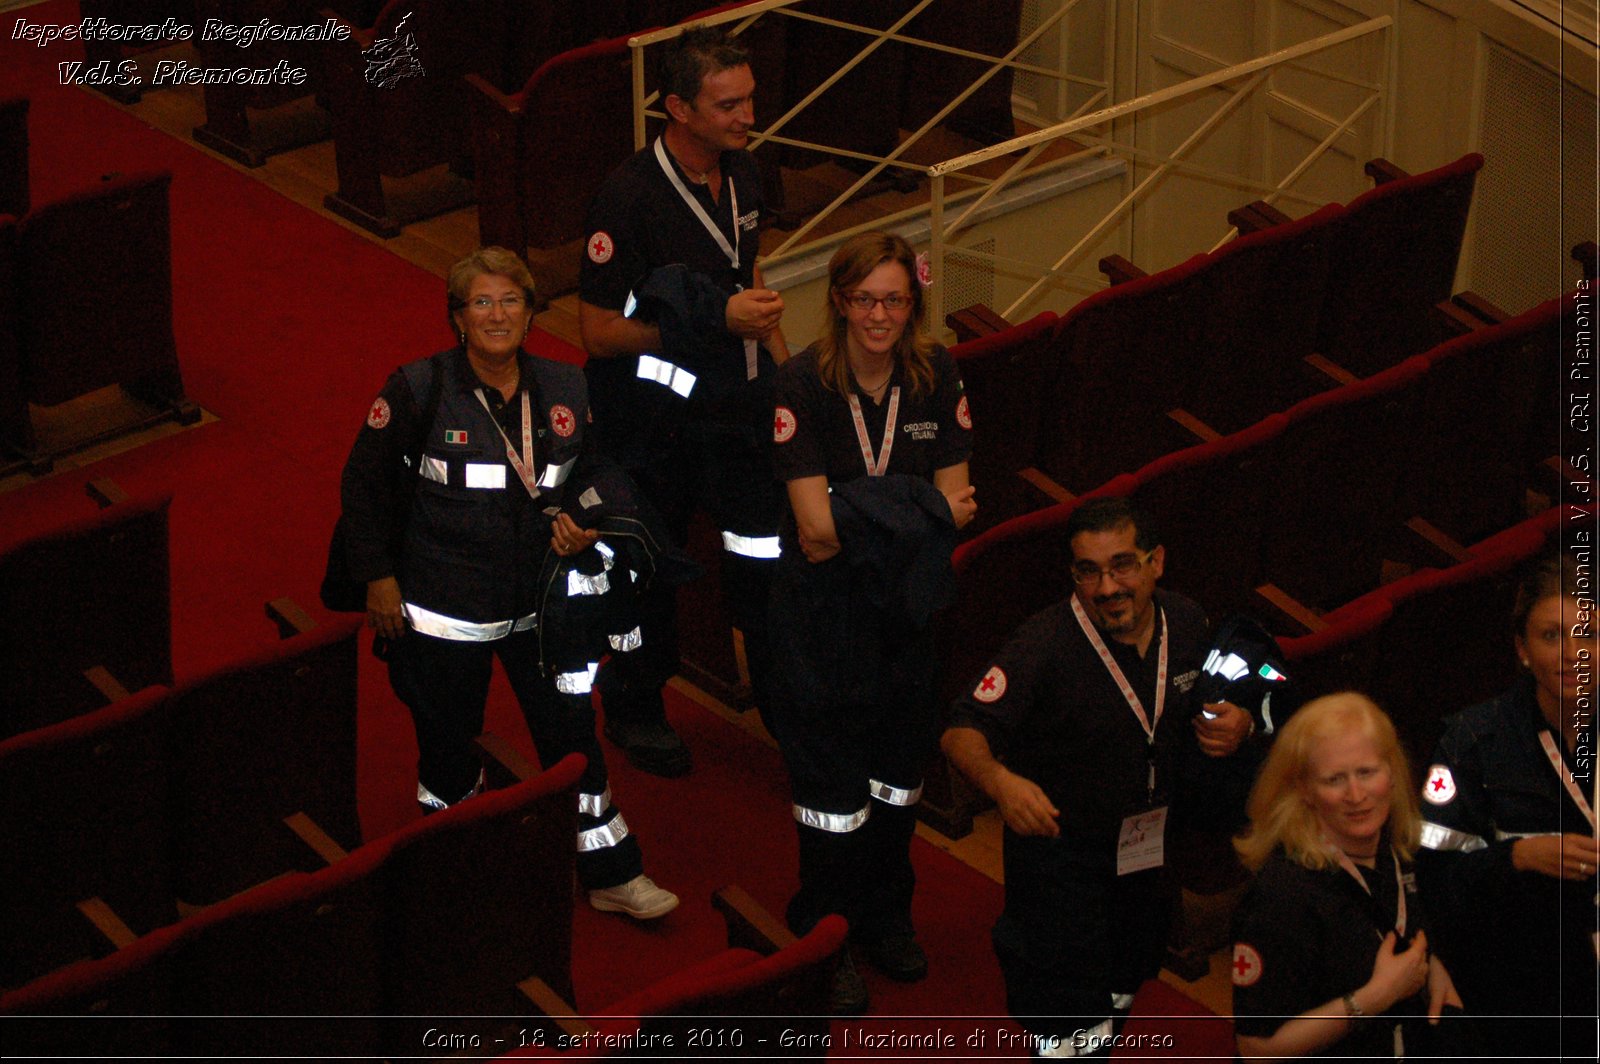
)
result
[(1087, 574)]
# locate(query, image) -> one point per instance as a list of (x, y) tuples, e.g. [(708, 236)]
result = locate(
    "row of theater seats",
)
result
[(125, 815), (534, 99), (190, 881), (110, 245), (1214, 344), (440, 919), (1304, 506)]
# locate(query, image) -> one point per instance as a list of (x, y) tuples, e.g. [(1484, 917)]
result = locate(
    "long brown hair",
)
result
[(1279, 813), (856, 258)]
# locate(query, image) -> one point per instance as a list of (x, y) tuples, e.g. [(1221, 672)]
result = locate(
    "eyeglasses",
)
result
[(509, 304), (1121, 570), (864, 301)]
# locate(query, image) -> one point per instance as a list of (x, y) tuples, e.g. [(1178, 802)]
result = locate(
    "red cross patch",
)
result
[(963, 415), (562, 421), (992, 686), (601, 248), (1246, 964), (378, 416), (783, 425), (1441, 786)]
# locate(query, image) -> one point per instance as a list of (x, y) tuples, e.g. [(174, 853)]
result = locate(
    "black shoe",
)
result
[(652, 748), (899, 957), (847, 993)]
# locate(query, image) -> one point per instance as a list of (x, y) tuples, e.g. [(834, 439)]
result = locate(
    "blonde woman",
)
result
[(1330, 953)]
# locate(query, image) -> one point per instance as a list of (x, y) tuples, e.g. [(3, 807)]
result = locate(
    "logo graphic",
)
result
[(378, 416), (562, 421), (455, 436), (601, 248), (393, 59), (963, 415)]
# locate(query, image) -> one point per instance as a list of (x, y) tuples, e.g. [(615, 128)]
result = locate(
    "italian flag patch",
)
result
[(455, 436)]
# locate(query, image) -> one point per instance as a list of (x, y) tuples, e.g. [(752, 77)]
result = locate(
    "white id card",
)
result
[(1141, 843)]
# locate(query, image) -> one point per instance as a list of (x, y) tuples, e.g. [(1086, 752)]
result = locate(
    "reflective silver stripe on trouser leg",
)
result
[(894, 795), (838, 823), (1438, 837), (661, 371), (604, 836), (1056, 1047), (594, 805), (751, 546), (577, 683)]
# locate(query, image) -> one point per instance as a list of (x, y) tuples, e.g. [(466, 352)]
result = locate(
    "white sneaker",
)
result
[(639, 897)]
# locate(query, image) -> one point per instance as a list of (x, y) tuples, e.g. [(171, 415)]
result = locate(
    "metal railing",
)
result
[(955, 184)]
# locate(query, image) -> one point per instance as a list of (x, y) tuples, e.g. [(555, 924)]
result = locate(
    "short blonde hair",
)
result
[(484, 261), (1280, 814)]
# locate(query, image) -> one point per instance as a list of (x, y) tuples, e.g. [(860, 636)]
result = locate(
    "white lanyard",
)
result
[(1115, 670), (730, 250), (1399, 885), (876, 467), (1560, 765), (523, 465)]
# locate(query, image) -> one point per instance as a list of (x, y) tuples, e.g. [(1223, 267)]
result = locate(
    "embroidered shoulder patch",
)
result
[(378, 416), (992, 686), (783, 425), (562, 421), (1441, 786), (1246, 964), (963, 415), (601, 248)]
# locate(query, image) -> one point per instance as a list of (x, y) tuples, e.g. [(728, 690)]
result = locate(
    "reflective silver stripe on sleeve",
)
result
[(605, 552), (489, 475), (626, 641), (1121, 1002), (594, 804), (838, 823), (435, 469), (441, 627), (580, 584), (661, 371), (556, 475), (1508, 836), (894, 795), (577, 683), (1066, 1047), (1439, 837), (751, 546), (606, 835)]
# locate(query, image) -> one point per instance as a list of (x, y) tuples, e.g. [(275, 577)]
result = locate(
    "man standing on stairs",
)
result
[(683, 341), (1086, 733)]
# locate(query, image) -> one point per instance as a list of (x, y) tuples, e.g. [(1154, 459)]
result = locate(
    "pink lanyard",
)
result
[(1115, 670), (876, 467), (524, 465), (1559, 764), (1128, 692), (1399, 885)]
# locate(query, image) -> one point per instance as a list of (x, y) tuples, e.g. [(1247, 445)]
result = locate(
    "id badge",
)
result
[(1141, 843)]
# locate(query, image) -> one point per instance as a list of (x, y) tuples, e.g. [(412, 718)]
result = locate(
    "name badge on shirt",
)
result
[(1141, 843)]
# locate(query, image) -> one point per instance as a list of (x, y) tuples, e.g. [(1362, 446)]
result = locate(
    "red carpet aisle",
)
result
[(286, 326)]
